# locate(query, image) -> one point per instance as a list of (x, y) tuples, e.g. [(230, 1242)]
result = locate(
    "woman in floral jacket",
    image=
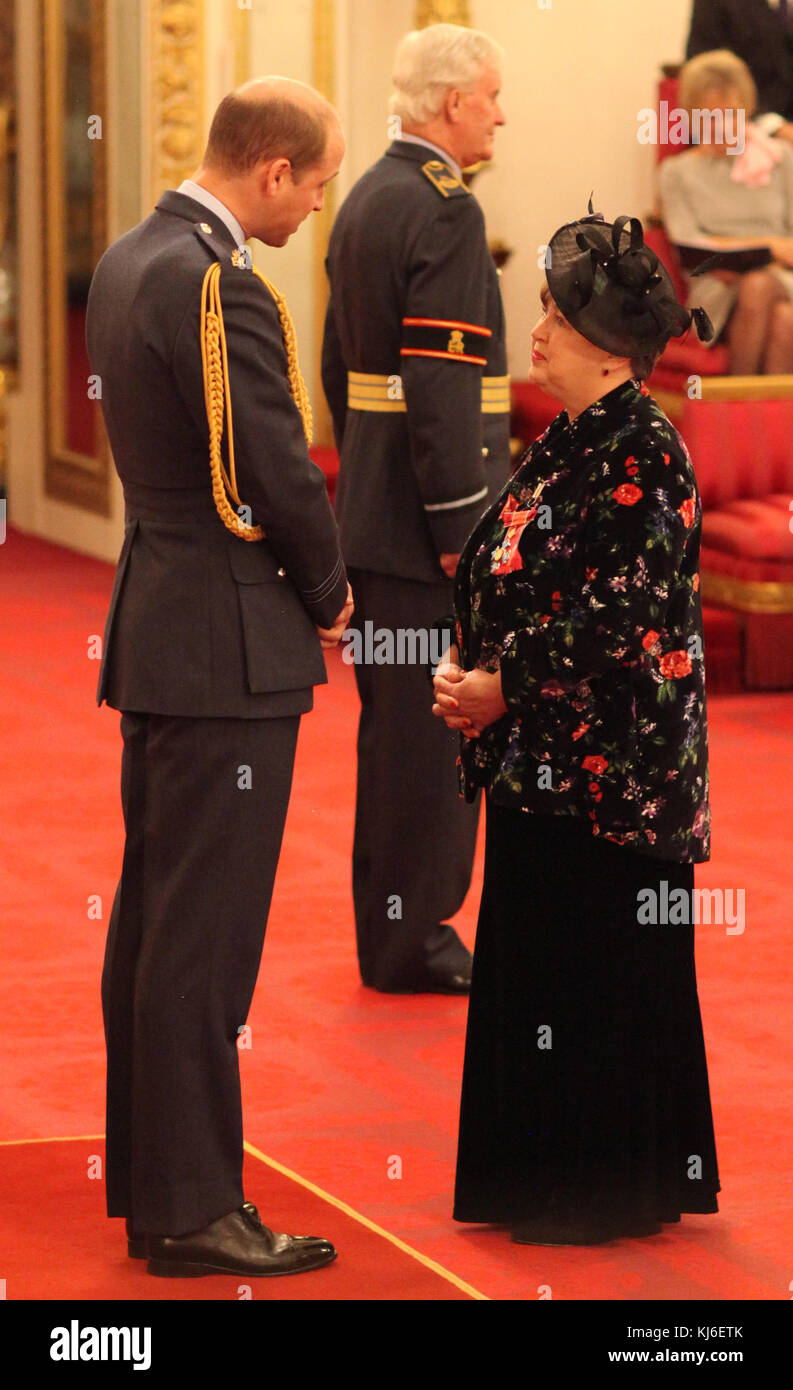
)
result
[(578, 686)]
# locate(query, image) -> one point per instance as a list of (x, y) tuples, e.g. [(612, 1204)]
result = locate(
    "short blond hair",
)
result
[(433, 61), (719, 70)]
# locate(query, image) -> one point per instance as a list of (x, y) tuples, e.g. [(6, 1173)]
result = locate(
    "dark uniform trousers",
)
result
[(413, 854), (183, 951)]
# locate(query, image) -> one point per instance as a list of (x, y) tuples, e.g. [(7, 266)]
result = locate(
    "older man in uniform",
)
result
[(414, 369), (229, 584)]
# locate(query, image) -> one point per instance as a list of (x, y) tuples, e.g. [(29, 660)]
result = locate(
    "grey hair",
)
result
[(431, 62)]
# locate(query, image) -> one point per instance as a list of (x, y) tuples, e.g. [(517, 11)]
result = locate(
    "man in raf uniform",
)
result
[(229, 584), (414, 369)]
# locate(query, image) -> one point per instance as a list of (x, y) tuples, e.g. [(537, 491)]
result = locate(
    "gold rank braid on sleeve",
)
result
[(217, 394)]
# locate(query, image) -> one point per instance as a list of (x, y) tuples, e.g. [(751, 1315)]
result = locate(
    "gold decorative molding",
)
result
[(323, 76), (8, 381), (672, 403), (723, 388), (79, 478), (748, 595), (443, 12), (746, 388), (241, 41), (176, 92)]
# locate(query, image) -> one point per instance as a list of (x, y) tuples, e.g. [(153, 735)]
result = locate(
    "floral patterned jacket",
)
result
[(581, 585)]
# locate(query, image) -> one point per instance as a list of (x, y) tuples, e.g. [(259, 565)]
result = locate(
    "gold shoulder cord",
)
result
[(217, 394)]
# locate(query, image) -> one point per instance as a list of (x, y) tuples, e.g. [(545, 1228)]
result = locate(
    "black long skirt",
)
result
[(585, 1111)]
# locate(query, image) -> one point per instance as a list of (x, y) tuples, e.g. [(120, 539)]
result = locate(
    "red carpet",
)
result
[(61, 1246), (338, 1080)]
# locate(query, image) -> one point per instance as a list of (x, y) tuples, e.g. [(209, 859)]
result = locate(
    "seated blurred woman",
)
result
[(577, 682), (735, 200)]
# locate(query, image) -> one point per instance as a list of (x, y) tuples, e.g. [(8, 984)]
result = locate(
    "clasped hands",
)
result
[(467, 700), (331, 636)]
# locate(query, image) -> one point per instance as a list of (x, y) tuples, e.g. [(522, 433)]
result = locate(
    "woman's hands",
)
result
[(467, 700)]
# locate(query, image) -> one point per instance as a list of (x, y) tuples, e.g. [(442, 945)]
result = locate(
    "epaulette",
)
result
[(443, 178), (239, 256)]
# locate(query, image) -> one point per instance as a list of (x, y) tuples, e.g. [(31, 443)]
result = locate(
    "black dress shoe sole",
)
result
[(185, 1269), (136, 1248), (464, 987)]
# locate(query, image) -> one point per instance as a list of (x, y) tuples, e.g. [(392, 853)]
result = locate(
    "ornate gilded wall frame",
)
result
[(443, 12), (324, 79), (74, 165), (176, 93)]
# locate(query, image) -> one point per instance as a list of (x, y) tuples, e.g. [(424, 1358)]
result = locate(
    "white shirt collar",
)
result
[(444, 154), (203, 196)]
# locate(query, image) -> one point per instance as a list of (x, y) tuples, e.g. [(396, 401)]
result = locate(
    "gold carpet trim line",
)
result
[(53, 1139), (364, 1221), (311, 1187)]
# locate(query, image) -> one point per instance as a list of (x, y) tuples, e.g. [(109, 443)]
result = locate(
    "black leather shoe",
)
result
[(549, 1232), (236, 1244), (136, 1243), (455, 982)]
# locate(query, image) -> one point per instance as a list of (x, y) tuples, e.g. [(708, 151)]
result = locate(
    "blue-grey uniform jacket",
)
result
[(414, 365), (201, 622)]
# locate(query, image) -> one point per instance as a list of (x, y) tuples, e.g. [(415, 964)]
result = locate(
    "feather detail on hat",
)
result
[(614, 290)]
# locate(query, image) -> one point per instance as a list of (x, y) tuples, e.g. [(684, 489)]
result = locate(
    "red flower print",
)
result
[(674, 665), (595, 790), (595, 763), (629, 460), (649, 639), (695, 583), (591, 573), (627, 494), (687, 510), (580, 731), (666, 460), (632, 470)]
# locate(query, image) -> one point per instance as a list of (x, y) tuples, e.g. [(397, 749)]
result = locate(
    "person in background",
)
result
[(578, 685), (761, 33), (732, 202), (414, 369)]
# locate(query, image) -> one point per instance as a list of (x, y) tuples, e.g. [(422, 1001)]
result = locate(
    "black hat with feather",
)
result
[(614, 290)]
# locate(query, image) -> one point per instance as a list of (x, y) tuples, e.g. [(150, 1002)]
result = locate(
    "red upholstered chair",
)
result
[(532, 411), (743, 458), (667, 92), (683, 357)]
